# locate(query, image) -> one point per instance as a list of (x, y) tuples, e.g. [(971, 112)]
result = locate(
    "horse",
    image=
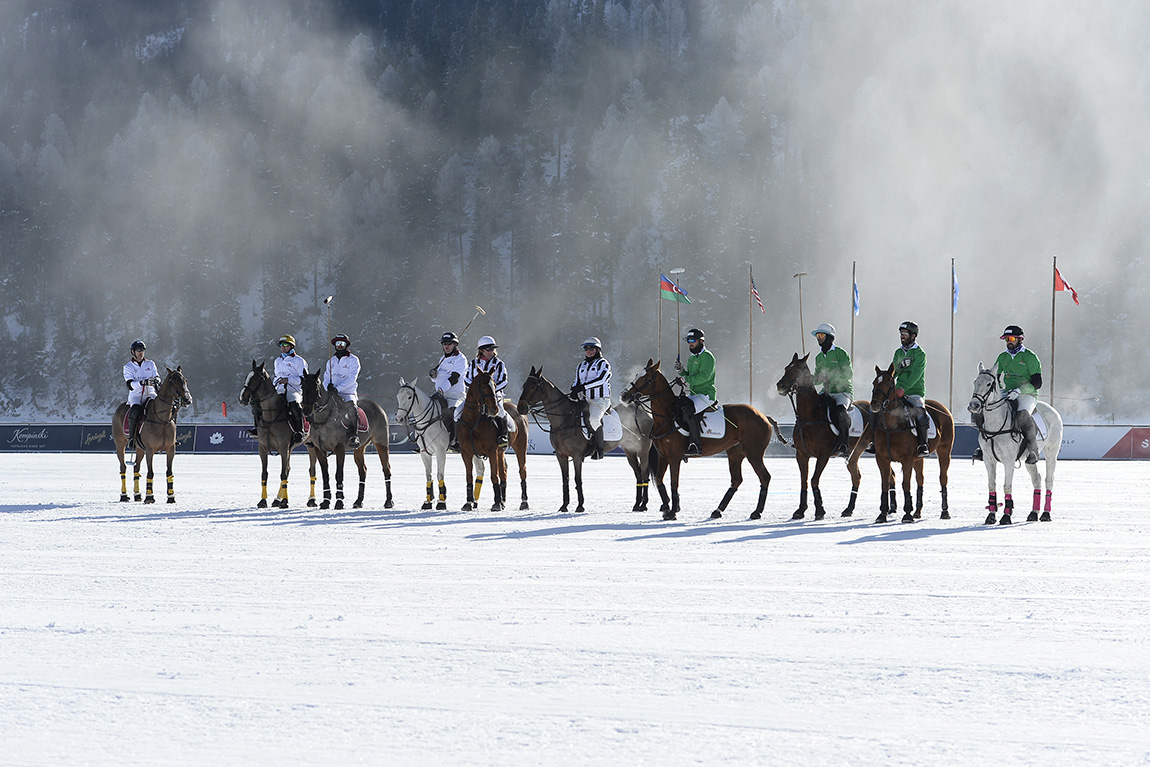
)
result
[(157, 432), (894, 442), (565, 422), (1000, 444), (423, 416), (747, 434), (478, 438), (812, 436), (329, 435), (275, 431)]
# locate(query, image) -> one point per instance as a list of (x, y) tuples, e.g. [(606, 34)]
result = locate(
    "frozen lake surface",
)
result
[(212, 632)]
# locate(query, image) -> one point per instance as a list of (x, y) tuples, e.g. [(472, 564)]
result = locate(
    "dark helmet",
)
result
[(694, 334), (909, 327), (341, 337), (1012, 330), (138, 344), (449, 338)]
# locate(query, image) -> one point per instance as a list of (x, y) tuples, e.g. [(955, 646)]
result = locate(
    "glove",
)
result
[(129, 383), (433, 372), (453, 378), (154, 383), (678, 366), (899, 393), (1011, 395)]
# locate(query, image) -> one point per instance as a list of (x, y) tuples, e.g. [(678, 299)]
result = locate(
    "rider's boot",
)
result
[(976, 420), (921, 429), (695, 445), (449, 422), (295, 419), (597, 439), (255, 430), (353, 429), (134, 413), (501, 423), (1024, 421), (843, 423)]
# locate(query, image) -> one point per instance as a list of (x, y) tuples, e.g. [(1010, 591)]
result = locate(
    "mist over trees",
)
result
[(202, 174)]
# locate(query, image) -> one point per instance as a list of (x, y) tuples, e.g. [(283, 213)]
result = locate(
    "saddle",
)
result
[(612, 427), (858, 422), (362, 426)]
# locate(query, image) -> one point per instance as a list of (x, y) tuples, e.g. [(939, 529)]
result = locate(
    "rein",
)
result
[(647, 407), (569, 412), (416, 432), (172, 409)]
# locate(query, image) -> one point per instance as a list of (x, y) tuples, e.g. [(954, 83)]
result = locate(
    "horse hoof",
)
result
[(917, 514), (171, 499), (668, 516), (125, 499), (467, 507), (390, 504), (848, 513), (357, 505), (563, 510), (137, 497), (820, 515), (1033, 517), (497, 507), (800, 514), (441, 506), (1045, 517), (339, 504), (908, 517), (990, 519), (881, 518), (579, 510), (311, 504), (325, 505), (149, 499), (944, 515), (524, 507), (263, 504), (663, 509), (1005, 520), (756, 515), (716, 514), (426, 506)]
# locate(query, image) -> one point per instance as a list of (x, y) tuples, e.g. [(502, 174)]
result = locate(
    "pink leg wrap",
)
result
[(992, 504), (1037, 500), (1048, 493)]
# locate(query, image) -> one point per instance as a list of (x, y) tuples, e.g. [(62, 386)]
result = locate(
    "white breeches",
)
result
[(841, 398), (294, 396), (1026, 402), (915, 400), (140, 396), (701, 401), (597, 408)]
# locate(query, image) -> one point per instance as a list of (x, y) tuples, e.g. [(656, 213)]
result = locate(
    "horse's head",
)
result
[(650, 383), (796, 375), (310, 389), (175, 387), (882, 391), (256, 379), (481, 394), (405, 401), (985, 388), (534, 389)]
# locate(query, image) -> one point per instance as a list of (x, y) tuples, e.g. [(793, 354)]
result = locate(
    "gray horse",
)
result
[(423, 417), (564, 417), (1001, 444), (329, 435)]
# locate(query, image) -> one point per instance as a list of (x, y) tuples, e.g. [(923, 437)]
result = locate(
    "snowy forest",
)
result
[(201, 175)]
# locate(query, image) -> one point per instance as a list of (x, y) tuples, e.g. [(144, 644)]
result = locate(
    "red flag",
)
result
[(1061, 284), (755, 293)]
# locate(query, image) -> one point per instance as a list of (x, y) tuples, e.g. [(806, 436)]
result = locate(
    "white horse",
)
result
[(1001, 444), (423, 416)]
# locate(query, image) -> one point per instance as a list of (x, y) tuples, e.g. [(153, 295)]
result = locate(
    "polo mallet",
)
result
[(327, 303), (478, 311)]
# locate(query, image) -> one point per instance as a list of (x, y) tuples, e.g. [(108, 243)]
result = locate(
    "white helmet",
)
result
[(593, 341), (826, 328), (486, 341)]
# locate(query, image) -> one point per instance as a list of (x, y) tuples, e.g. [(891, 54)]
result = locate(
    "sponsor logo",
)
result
[(216, 438), (95, 436), (184, 436), (24, 435)]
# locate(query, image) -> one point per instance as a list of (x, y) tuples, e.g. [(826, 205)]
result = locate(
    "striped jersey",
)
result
[(493, 366), (595, 375)]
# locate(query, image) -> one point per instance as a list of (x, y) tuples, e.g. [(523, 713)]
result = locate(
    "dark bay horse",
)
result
[(157, 432), (478, 438), (275, 431), (813, 438), (895, 442), (329, 435), (747, 434), (565, 421)]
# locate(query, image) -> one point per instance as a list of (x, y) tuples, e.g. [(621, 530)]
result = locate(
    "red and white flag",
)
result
[(755, 293), (1061, 284)]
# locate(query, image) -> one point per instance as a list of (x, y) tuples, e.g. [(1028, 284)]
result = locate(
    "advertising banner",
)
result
[(49, 438)]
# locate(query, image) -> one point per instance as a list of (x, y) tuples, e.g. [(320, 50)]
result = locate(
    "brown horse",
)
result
[(895, 442), (157, 432), (275, 431), (812, 436), (747, 434), (565, 427), (478, 438), (329, 435)]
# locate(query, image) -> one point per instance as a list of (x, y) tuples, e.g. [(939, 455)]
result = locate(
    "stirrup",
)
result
[(254, 431), (693, 449), (353, 441), (869, 449), (977, 454), (923, 451)]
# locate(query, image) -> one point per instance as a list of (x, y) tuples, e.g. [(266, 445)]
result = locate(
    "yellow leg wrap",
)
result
[(478, 487), (123, 483), (171, 485), (312, 495), (149, 487), (429, 492), (283, 490), (136, 482), (263, 491), (442, 491)]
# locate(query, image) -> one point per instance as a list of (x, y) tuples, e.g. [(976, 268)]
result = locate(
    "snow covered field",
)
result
[(211, 632)]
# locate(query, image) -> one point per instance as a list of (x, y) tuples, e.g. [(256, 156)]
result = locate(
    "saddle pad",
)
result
[(362, 419), (127, 422), (306, 426), (856, 422), (612, 428), (714, 425), (1041, 424)]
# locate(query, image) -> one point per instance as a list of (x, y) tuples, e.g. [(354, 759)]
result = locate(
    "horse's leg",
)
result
[(658, 471), (440, 465), (816, 494), (136, 494), (383, 450), (919, 480), (465, 454), (673, 511), (325, 470), (856, 478), (521, 456), (430, 497), (943, 454), (565, 475), (498, 478), (263, 504), (1051, 462), (804, 470), (991, 482), (311, 462), (171, 476), (123, 471), (340, 457), (480, 470), (1007, 493), (735, 467), (884, 470), (908, 505), (636, 469), (1036, 482), (285, 469), (148, 497), (756, 461), (577, 459)]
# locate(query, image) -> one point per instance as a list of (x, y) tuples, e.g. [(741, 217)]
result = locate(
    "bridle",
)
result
[(174, 402), (636, 392), (416, 426), (259, 377), (569, 412), (986, 404)]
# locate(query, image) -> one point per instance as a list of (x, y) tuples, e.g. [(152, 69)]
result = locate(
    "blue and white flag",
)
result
[(856, 300), (953, 290)]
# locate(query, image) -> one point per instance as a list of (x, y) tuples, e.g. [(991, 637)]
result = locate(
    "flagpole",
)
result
[(659, 348), (1053, 303), (854, 282), (751, 337), (950, 402)]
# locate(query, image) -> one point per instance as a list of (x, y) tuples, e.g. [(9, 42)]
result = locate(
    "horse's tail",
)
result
[(778, 431)]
